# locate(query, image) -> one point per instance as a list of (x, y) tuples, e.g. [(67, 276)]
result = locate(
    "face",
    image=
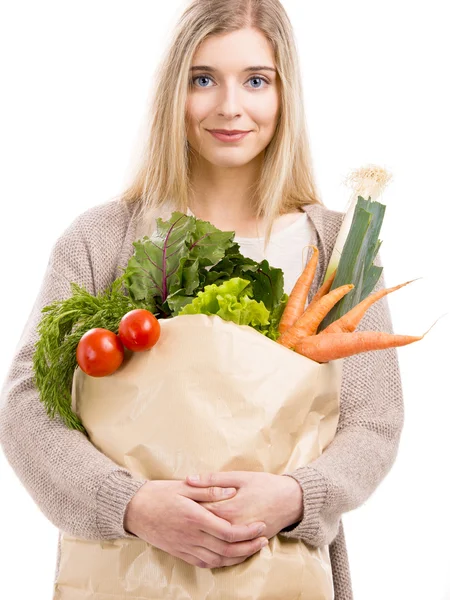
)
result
[(228, 95)]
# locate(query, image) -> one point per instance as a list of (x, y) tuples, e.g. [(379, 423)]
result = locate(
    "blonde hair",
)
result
[(286, 182)]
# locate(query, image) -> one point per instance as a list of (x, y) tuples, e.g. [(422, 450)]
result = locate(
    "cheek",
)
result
[(189, 114), (197, 109), (266, 113)]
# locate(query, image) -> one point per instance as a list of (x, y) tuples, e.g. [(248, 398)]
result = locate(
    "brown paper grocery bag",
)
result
[(209, 396)]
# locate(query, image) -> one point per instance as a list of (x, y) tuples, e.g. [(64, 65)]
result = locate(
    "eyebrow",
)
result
[(213, 70)]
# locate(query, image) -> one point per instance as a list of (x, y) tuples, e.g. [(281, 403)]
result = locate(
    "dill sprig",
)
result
[(63, 324)]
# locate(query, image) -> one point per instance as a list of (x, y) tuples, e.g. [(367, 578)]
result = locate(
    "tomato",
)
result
[(99, 352), (139, 330)]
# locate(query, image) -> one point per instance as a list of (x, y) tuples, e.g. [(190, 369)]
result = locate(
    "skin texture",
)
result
[(274, 499), (230, 98), (168, 515), (191, 520)]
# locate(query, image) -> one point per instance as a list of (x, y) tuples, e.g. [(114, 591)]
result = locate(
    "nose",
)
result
[(228, 104)]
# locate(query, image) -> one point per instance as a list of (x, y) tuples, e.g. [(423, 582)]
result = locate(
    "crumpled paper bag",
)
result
[(209, 396)]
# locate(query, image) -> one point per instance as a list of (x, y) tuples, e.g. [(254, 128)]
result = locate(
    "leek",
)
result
[(357, 243), (368, 182)]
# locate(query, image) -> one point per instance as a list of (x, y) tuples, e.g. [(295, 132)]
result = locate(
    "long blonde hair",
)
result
[(162, 178)]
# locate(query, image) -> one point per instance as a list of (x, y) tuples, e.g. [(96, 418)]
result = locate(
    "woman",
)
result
[(261, 181)]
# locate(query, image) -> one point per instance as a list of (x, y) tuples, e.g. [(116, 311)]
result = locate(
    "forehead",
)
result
[(235, 50)]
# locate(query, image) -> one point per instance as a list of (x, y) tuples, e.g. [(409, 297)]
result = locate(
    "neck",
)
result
[(224, 194)]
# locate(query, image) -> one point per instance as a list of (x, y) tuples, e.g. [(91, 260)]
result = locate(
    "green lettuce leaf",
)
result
[(267, 282), (231, 301)]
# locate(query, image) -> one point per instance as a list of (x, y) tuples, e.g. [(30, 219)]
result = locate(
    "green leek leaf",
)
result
[(356, 263)]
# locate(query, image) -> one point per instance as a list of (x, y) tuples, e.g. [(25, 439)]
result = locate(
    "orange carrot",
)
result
[(350, 321), (324, 289), (295, 305), (310, 320), (323, 348)]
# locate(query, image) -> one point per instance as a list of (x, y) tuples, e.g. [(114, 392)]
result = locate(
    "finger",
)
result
[(197, 562), (236, 550), (209, 494), (223, 530), (210, 559), (218, 509), (190, 559), (235, 553), (227, 479)]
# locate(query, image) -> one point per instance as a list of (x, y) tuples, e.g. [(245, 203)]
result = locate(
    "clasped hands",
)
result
[(206, 526), (275, 500)]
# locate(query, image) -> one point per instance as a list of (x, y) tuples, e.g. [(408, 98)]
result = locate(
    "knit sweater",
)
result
[(84, 493)]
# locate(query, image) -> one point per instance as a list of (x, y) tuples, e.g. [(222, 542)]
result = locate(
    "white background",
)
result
[(76, 77)]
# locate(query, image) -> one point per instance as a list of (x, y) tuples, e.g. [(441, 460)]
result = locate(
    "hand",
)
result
[(167, 515), (277, 500)]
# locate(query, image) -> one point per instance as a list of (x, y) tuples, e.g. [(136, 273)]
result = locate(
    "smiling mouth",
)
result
[(228, 137), (231, 132)]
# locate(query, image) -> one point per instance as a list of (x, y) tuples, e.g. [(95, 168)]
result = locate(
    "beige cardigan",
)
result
[(84, 493)]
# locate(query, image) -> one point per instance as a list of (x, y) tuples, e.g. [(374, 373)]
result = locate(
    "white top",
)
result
[(286, 249)]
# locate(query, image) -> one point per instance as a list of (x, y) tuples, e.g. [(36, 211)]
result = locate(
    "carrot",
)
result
[(324, 289), (310, 320), (350, 321), (295, 305), (323, 348)]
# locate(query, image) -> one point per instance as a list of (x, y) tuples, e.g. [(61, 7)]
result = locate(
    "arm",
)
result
[(366, 442), (79, 490)]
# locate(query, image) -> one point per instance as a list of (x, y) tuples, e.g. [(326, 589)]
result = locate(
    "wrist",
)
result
[(293, 501), (133, 511)]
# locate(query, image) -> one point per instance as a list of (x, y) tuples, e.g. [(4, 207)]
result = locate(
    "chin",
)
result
[(228, 162), (228, 158)]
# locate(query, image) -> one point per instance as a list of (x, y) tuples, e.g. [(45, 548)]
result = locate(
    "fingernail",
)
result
[(193, 477), (261, 529), (264, 543), (227, 491)]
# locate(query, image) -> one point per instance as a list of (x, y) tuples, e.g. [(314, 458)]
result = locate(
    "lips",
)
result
[(227, 131), (228, 136)]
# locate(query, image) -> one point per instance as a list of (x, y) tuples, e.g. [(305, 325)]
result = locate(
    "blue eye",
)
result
[(260, 78), (193, 79), (200, 77)]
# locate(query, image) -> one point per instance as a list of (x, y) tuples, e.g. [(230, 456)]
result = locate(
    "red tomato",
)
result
[(99, 352), (139, 330)]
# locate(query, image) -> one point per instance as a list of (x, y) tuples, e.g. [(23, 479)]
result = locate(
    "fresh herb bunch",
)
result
[(60, 329)]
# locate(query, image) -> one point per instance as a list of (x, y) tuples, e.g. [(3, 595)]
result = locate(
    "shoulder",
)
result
[(327, 222), (93, 241), (107, 218)]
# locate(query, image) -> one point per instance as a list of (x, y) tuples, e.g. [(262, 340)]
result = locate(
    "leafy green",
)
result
[(230, 300), (63, 324), (183, 256), (267, 282), (274, 319), (170, 266)]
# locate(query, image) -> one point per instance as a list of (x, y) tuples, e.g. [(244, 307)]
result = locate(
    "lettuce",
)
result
[(231, 301)]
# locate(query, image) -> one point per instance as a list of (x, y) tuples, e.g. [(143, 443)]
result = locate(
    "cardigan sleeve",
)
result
[(79, 489), (365, 446)]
